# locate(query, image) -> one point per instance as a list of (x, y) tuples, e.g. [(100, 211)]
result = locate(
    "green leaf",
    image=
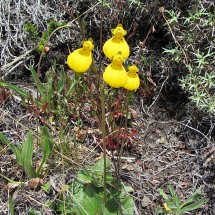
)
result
[(49, 86), (171, 204), (84, 176), (10, 180), (27, 155), (128, 189), (47, 145), (172, 192), (86, 198), (77, 190), (46, 187), (14, 149), (99, 166), (61, 83), (193, 206), (177, 201), (195, 196), (11, 206), (116, 206), (112, 206), (4, 139), (71, 89), (119, 201), (128, 206), (92, 201), (16, 89), (163, 194), (98, 170), (24, 155), (38, 83), (161, 211), (88, 190), (18, 153)]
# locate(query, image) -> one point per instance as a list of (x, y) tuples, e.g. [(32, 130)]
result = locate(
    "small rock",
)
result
[(146, 201)]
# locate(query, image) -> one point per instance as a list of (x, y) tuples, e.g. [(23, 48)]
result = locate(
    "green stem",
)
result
[(128, 96), (100, 55), (102, 109), (103, 140)]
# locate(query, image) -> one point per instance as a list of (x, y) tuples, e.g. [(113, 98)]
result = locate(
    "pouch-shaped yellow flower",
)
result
[(133, 81), (116, 43), (81, 59), (115, 73)]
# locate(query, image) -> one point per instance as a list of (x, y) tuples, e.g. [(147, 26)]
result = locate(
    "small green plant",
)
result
[(24, 152), (34, 212), (193, 53), (23, 95), (173, 16), (174, 205), (50, 91), (95, 191), (54, 95), (85, 194), (33, 32)]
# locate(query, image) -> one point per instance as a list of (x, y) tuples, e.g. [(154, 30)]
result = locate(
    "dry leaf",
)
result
[(83, 148), (12, 185), (133, 112), (98, 158), (155, 182), (128, 167), (161, 9), (34, 182), (162, 140), (183, 184), (146, 201)]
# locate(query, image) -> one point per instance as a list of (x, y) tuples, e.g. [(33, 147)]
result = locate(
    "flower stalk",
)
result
[(103, 140), (128, 96)]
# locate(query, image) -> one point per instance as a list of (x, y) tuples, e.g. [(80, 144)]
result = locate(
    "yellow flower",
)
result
[(133, 79), (115, 74), (81, 59), (166, 207), (116, 43)]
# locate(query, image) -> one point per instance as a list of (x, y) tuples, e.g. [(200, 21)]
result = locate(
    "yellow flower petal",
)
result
[(115, 74), (88, 45), (80, 60), (116, 44), (166, 207), (133, 81), (119, 32)]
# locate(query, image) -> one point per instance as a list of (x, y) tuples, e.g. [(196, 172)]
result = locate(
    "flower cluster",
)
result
[(117, 50)]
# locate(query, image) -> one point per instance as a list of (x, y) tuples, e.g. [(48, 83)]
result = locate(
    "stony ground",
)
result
[(164, 151)]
